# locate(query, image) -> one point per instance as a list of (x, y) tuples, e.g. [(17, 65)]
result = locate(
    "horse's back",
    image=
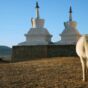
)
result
[(86, 46), (82, 46)]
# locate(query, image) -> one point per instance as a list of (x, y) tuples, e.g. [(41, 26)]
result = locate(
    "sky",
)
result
[(15, 18)]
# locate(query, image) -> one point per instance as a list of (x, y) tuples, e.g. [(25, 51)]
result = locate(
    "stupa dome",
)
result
[(70, 32), (73, 24), (38, 31), (38, 34)]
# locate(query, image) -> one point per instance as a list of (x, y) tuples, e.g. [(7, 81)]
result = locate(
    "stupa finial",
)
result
[(37, 10), (70, 11)]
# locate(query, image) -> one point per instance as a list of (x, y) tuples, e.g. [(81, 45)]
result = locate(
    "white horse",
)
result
[(82, 51)]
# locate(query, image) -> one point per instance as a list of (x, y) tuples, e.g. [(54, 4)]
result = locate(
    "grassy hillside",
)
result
[(61, 72)]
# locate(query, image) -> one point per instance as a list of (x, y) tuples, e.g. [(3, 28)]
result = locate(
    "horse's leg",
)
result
[(87, 65), (83, 63)]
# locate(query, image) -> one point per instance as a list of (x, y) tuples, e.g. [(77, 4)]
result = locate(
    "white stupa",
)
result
[(70, 34), (37, 35)]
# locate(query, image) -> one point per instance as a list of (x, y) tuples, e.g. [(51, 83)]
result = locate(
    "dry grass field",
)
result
[(60, 72)]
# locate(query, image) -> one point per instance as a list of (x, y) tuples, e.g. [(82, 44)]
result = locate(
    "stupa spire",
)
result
[(37, 10), (70, 11)]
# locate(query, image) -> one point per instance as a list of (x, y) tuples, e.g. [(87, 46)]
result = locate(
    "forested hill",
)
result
[(5, 50)]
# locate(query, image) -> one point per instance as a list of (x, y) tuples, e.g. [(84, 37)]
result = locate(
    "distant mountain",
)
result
[(5, 50)]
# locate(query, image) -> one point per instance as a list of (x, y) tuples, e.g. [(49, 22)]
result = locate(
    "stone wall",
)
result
[(61, 50), (21, 53)]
